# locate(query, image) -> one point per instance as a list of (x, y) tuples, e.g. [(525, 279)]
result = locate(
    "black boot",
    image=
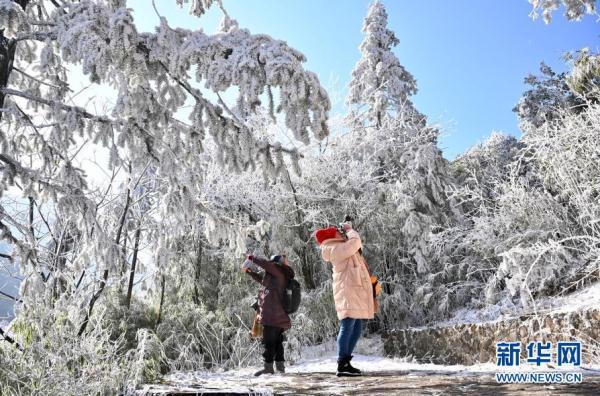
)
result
[(353, 369), (268, 369), (344, 370), (280, 366)]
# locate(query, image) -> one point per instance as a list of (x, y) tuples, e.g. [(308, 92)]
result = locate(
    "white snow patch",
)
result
[(584, 299), (581, 300)]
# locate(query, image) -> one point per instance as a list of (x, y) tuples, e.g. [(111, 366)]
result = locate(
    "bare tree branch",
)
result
[(38, 80), (11, 297), (11, 340), (6, 256), (37, 36)]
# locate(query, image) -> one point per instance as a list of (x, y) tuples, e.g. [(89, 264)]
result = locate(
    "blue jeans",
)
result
[(350, 331)]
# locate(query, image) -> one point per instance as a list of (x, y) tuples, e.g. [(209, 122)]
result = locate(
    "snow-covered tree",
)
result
[(574, 9), (393, 181), (465, 251), (480, 170), (380, 84), (549, 94), (584, 79), (398, 196), (78, 240), (550, 211)]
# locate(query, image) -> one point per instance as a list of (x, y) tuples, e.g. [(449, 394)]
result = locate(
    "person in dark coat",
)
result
[(271, 312)]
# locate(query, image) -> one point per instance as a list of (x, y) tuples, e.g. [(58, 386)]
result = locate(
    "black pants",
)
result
[(273, 343)]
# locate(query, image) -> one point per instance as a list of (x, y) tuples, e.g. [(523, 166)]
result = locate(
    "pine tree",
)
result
[(548, 96), (405, 175), (379, 82)]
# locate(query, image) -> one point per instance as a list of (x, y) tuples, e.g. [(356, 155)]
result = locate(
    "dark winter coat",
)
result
[(270, 295)]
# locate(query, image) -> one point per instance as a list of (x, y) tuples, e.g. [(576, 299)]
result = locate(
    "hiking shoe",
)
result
[(344, 368), (353, 369), (267, 369), (280, 367)]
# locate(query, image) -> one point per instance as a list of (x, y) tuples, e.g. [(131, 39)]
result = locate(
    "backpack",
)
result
[(292, 295)]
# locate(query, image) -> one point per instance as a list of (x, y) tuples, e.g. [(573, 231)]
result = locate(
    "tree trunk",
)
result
[(123, 267), (162, 300), (133, 264), (305, 264), (97, 295), (197, 272), (7, 57)]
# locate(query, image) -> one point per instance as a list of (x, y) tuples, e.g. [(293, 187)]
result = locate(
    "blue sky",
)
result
[(469, 57)]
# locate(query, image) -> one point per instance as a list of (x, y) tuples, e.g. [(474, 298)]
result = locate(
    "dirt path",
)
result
[(373, 383)]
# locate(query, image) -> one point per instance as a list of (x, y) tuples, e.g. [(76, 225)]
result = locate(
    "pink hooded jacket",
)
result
[(352, 290)]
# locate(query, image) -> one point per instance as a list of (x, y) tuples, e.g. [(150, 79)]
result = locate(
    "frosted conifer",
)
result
[(380, 84)]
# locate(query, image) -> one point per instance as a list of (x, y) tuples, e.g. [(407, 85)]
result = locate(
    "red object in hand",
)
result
[(250, 257)]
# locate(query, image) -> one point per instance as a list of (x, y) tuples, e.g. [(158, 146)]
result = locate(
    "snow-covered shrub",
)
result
[(147, 361), (315, 322), (124, 321), (527, 217), (195, 338), (54, 360), (546, 222)]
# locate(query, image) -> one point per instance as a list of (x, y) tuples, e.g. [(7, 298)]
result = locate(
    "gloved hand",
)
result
[(250, 257)]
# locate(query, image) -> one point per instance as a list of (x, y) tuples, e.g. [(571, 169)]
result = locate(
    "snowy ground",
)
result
[(580, 300), (315, 375)]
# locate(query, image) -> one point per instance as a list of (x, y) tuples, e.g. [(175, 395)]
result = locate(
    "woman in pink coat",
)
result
[(352, 290)]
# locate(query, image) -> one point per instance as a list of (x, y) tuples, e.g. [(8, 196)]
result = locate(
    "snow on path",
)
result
[(381, 376), (315, 374)]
